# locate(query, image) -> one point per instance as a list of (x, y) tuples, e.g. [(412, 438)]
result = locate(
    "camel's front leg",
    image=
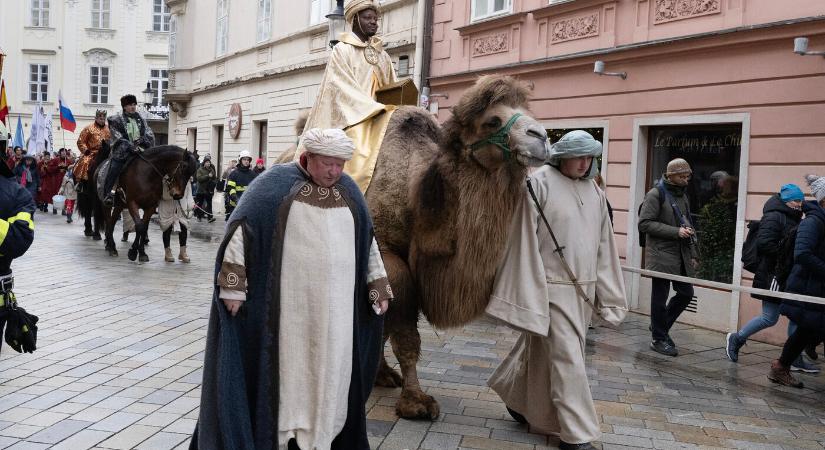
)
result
[(402, 328)]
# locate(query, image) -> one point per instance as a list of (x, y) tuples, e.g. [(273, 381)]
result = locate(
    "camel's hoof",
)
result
[(388, 377), (96, 237), (416, 405), (144, 257), (132, 254)]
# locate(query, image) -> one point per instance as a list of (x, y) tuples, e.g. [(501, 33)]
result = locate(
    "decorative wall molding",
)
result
[(72, 3), (157, 36), (574, 28), (99, 56), (671, 10), (131, 4), (100, 33), (488, 45)]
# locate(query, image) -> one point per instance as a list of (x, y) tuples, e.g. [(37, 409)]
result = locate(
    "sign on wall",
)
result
[(235, 120)]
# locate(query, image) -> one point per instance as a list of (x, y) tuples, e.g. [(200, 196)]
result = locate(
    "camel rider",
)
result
[(16, 227), (358, 67), (239, 179), (130, 135), (91, 139)]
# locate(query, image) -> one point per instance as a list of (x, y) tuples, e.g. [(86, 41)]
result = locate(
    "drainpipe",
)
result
[(423, 43)]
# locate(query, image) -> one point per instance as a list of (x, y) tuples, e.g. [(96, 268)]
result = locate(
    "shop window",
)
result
[(713, 152)]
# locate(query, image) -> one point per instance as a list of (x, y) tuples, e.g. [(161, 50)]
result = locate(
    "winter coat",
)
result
[(50, 178), (67, 188), (33, 182), (777, 218), (206, 179), (808, 273), (238, 181), (666, 251), (16, 209)]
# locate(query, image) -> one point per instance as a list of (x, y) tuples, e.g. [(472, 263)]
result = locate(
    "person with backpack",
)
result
[(808, 278), (671, 244), (780, 217)]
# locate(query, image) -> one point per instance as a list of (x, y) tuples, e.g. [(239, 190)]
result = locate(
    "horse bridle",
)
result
[(167, 180), (500, 138)]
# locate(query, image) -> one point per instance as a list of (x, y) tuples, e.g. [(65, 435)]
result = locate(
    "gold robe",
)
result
[(544, 376), (346, 100)]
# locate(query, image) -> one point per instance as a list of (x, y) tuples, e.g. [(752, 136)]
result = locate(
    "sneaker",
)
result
[(732, 347), (811, 352), (781, 375), (664, 347), (583, 446), (801, 365)]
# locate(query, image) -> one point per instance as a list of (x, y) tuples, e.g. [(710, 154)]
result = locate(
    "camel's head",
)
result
[(491, 125)]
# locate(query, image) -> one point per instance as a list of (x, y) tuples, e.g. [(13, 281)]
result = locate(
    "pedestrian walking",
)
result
[(50, 179), (173, 213), (303, 344), (808, 278), (27, 175), (207, 182), (781, 215), (67, 189), (671, 248), (552, 297)]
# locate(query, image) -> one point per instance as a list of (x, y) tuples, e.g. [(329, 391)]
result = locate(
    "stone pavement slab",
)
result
[(119, 361)]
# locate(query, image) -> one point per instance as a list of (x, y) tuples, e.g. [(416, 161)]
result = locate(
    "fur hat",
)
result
[(128, 99), (354, 7), (817, 185), (678, 166)]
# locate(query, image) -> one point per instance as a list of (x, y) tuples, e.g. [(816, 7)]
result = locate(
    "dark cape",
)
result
[(239, 398)]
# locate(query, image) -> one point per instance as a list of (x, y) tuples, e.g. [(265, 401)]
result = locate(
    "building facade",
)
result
[(713, 81), (242, 71), (92, 52)]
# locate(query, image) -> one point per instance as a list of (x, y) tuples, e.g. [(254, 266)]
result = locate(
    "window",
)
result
[(160, 16), (100, 13), (222, 28), (38, 82), (159, 81), (403, 66), (483, 9), (173, 41), (318, 10), (40, 13), (99, 85), (264, 20)]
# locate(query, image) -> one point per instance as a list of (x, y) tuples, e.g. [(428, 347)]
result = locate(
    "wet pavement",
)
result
[(120, 355)]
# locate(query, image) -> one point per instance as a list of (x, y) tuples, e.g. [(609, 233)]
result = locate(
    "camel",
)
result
[(442, 208)]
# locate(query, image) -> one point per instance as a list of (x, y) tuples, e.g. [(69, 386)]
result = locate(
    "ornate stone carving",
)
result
[(131, 4), (488, 45), (71, 3), (99, 56), (574, 28), (670, 10), (100, 34)]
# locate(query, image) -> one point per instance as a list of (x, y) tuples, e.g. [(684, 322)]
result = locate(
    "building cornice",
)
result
[(155, 56), (38, 51), (624, 49), (176, 6)]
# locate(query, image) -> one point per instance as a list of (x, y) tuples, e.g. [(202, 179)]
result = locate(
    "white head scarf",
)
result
[(332, 142), (576, 144)]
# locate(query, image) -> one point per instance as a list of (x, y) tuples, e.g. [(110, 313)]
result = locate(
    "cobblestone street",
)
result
[(119, 359)]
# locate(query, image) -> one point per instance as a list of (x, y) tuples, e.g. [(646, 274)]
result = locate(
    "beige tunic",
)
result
[(171, 211), (544, 375)]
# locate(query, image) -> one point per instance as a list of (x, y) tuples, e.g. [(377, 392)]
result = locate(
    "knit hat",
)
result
[(332, 142), (259, 161), (790, 192), (678, 166), (817, 185)]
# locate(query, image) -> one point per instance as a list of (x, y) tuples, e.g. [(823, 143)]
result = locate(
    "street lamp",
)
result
[(148, 95), (336, 22)]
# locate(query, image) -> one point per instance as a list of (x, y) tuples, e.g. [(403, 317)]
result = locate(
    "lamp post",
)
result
[(336, 22), (148, 95)]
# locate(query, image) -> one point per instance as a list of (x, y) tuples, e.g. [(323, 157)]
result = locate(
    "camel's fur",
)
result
[(299, 125)]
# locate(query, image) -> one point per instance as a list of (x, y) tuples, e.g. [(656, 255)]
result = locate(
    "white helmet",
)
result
[(244, 154)]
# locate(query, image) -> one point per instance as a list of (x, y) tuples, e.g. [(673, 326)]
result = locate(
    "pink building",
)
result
[(714, 81)]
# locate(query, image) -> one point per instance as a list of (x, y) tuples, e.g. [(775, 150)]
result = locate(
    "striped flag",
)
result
[(66, 118), (4, 107)]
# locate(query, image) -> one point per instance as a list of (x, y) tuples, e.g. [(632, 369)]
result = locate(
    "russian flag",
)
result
[(66, 118)]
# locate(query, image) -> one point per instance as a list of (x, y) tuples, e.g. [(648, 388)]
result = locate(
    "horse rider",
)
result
[(16, 226), (91, 139), (130, 136), (239, 180)]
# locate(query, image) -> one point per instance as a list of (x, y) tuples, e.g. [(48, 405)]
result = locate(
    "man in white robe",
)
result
[(543, 380)]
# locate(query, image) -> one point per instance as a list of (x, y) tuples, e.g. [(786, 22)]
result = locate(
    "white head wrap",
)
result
[(576, 144), (332, 142), (353, 7), (817, 185)]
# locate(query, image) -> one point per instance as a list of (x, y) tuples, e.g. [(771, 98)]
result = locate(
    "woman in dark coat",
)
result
[(808, 278), (781, 212), (26, 175)]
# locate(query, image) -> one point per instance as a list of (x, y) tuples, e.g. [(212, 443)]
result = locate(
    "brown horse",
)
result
[(142, 184)]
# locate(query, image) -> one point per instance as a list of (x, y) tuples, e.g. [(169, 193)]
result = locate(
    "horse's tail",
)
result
[(85, 202)]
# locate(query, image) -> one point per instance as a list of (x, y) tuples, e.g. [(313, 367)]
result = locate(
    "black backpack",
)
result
[(643, 236), (784, 256), (750, 254)]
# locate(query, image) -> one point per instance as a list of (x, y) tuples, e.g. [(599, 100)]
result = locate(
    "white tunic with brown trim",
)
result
[(317, 290)]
